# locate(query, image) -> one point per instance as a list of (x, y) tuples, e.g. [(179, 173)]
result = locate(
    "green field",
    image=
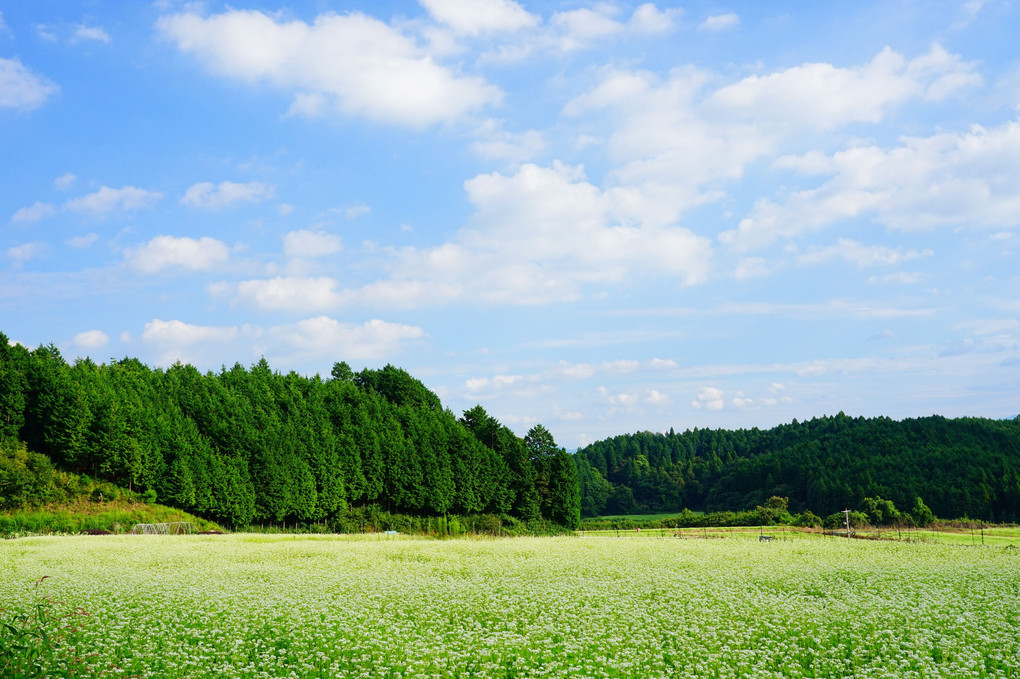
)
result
[(995, 536), (377, 606)]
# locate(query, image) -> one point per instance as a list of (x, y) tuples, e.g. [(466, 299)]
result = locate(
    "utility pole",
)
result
[(846, 514)]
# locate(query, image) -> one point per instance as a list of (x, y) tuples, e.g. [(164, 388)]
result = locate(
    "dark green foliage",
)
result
[(920, 514), (962, 467), (255, 447), (24, 476)]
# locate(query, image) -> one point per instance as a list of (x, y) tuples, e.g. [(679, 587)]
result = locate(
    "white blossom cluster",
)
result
[(299, 606)]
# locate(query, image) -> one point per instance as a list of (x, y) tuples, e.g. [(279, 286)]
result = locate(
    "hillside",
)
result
[(244, 446), (960, 467), (36, 498)]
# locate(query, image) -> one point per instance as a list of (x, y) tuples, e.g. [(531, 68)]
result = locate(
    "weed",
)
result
[(43, 641)]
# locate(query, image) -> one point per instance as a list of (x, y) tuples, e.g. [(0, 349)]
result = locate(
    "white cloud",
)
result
[(496, 383), (665, 143), (900, 277), (822, 96), (657, 398), (577, 28), (177, 333), (164, 252), (496, 143), (34, 212), (577, 233), (64, 181), (709, 398), (325, 337), (26, 251), (618, 400), (107, 200), (860, 254), (538, 235), (480, 16), (352, 62), (290, 293), (83, 241), (951, 178), (356, 210), (310, 244), (647, 18), (45, 32), (742, 403), (720, 22), (97, 33), (20, 88), (212, 196), (91, 339), (751, 267), (99, 203)]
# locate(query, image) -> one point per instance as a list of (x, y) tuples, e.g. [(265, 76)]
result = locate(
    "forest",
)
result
[(960, 467), (253, 446)]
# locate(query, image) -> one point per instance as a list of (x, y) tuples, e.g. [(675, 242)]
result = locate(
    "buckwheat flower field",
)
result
[(373, 606)]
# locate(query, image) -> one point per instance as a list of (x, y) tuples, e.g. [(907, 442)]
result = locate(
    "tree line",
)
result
[(247, 446), (960, 467)]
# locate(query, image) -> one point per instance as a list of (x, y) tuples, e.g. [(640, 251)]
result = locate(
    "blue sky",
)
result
[(604, 217)]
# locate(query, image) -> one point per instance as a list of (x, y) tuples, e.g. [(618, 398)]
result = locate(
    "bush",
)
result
[(807, 519)]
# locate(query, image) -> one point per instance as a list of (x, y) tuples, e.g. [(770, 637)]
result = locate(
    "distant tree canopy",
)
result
[(961, 467), (243, 446), (250, 445)]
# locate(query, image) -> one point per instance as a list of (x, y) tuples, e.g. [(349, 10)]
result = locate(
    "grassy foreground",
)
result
[(383, 606)]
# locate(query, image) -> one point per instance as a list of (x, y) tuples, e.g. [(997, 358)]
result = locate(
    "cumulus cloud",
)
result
[(538, 235), (351, 63), (65, 180), (178, 333), (546, 215), (496, 143), (287, 292), (179, 341), (310, 244), (91, 339), (22, 89), (107, 200), (213, 196), (720, 22), (96, 33), (26, 251), (648, 18), (618, 399), (821, 95), (323, 336), (950, 178), (100, 203), (356, 210), (657, 398), (165, 252), (480, 16), (709, 398), (34, 212), (678, 139), (579, 27), (83, 241)]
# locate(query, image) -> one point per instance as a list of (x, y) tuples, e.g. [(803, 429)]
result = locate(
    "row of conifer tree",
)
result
[(245, 446)]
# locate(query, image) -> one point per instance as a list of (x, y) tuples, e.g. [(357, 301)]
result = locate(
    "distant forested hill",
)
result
[(243, 446), (959, 467)]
